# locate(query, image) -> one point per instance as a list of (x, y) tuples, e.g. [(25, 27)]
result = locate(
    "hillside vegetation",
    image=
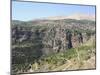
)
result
[(53, 45)]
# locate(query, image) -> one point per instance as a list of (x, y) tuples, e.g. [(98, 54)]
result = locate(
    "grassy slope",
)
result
[(82, 57)]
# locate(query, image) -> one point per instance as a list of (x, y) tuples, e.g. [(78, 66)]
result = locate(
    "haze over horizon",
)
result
[(26, 11)]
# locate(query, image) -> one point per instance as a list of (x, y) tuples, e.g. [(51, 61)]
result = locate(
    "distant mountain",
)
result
[(74, 16), (75, 21)]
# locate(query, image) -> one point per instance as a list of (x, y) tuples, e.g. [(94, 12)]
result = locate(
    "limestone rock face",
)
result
[(32, 40)]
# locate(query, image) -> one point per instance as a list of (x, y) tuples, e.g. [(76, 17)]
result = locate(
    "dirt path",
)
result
[(71, 65), (63, 67)]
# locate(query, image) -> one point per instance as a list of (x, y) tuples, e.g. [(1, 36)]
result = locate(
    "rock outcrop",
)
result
[(31, 42)]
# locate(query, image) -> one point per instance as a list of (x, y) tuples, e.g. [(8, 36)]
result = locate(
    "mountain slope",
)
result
[(77, 16)]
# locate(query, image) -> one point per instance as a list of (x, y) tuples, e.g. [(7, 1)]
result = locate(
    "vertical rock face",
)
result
[(57, 39), (29, 43), (46, 41), (40, 42)]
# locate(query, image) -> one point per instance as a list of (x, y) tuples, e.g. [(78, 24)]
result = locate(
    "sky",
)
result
[(26, 11)]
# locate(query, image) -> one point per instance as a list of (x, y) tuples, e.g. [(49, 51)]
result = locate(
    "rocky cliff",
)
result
[(33, 40)]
